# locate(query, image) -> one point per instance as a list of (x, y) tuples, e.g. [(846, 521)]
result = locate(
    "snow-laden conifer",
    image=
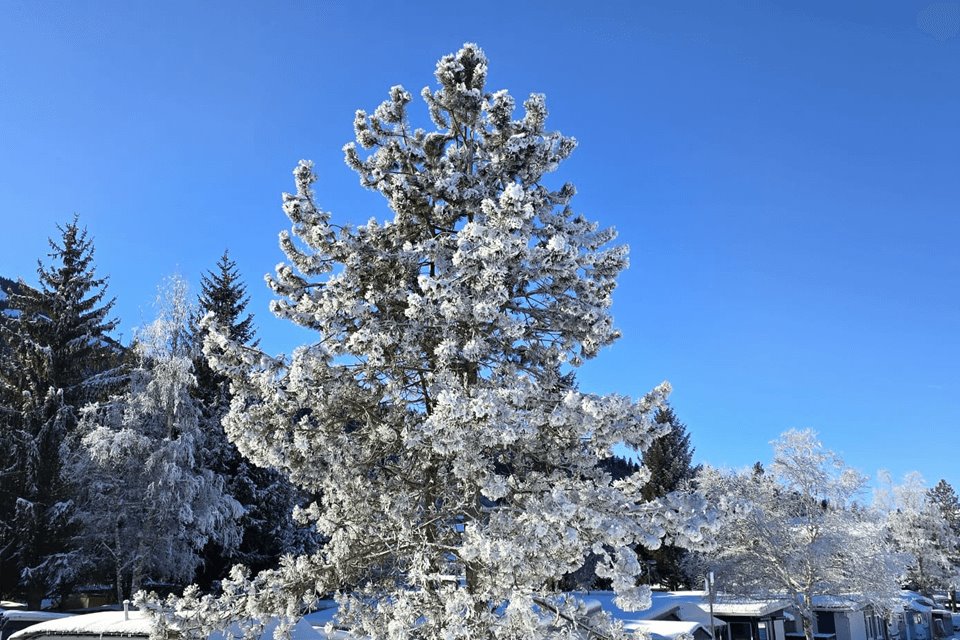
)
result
[(919, 530), (146, 503), (268, 529), (436, 413)]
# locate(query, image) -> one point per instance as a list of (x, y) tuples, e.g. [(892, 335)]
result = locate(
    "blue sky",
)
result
[(785, 174)]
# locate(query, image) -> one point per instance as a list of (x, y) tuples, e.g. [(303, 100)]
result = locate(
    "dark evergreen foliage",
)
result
[(945, 497), (619, 468), (58, 356), (267, 497), (670, 462)]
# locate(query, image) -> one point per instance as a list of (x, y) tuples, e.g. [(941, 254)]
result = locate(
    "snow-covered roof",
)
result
[(103, 623), (916, 601), (745, 607), (686, 605), (836, 603), (723, 605), (6, 605), (662, 628), (136, 625), (39, 616)]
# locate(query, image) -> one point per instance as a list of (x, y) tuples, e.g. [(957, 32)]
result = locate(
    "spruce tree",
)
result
[(945, 498), (670, 462), (59, 357), (267, 497)]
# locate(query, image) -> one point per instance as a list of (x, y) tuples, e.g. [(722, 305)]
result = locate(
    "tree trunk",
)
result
[(118, 564), (806, 615)]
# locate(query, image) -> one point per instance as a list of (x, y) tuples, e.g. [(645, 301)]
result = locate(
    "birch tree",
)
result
[(147, 505), (797, 530)]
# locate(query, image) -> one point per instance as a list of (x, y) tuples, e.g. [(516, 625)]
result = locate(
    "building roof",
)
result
[(837, 603), (733, 606), (663, 628), (135, 625), (21, 615), (102, 623)]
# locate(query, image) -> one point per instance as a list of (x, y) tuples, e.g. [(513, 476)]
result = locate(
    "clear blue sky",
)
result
[(786, 174)]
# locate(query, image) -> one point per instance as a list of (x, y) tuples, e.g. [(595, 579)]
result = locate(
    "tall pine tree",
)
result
[(59, 356), (459, 473), (268, 498)]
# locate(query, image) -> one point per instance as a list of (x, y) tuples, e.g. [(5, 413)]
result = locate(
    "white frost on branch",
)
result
[(436, 414)]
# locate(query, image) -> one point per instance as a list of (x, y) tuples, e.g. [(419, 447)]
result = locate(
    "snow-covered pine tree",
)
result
[(146, 504), (268, 529), (59, 356), (945, 497), (920, 532), (459, 471), (796, 530), (670, 462)]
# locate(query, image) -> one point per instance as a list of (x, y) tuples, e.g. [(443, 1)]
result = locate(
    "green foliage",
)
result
[(268, 499), (669, 459), (58, 356)]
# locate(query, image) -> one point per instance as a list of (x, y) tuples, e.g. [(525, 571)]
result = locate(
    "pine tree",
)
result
[(459, 476), (267, 497), (59, 356), (146, 502), (669, 460)]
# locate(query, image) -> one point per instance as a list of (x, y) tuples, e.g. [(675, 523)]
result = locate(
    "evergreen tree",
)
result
[(267, 497), (669, 459), (7, 288), (459, 476), (59, 356), (223, 295), (919, 531), (945, 498)]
